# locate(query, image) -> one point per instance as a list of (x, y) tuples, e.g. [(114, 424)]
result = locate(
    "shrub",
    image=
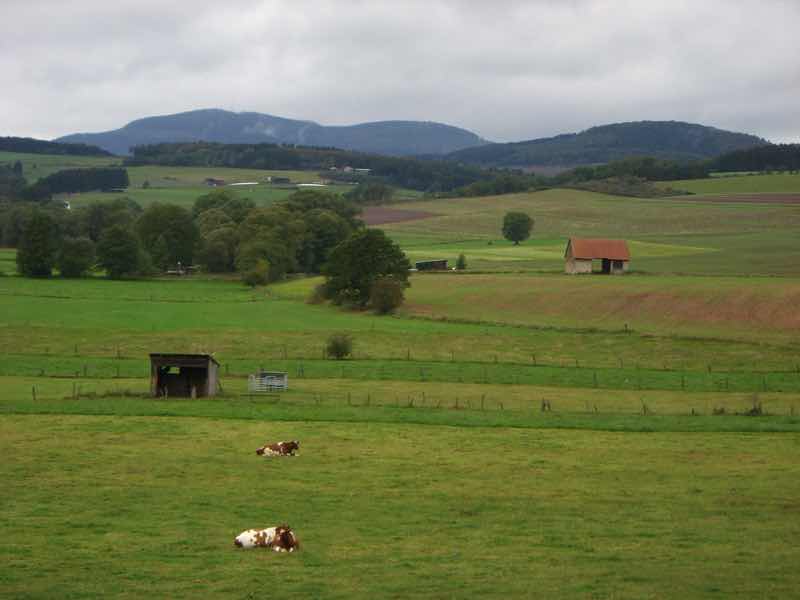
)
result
[(339, 346), (317, 295), (386, 295), (461, 263), (258, 274)]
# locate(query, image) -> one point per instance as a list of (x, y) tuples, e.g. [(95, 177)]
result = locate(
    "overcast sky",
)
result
[(508, 70)]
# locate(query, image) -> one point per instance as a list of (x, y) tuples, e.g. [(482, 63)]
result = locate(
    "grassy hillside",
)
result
[(667, 235), (755, 183), (37, 166)]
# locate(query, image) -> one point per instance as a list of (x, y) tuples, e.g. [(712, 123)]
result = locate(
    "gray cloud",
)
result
[(509, 70)]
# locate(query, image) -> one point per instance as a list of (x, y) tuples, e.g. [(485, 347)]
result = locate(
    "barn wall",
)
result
[(575, 266), (619, 266)]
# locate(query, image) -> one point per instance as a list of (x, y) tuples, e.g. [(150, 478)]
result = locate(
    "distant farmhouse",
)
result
[(613, 255), (213, 181)]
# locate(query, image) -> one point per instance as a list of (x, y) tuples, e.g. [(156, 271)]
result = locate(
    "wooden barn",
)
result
[(183, 375), (613, 256)]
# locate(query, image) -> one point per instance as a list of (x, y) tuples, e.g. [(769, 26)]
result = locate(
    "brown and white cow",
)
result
[(279, 539), (279, 449)]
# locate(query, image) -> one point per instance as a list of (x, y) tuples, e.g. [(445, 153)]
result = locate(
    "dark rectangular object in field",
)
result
[(431, 265), (183, 375)]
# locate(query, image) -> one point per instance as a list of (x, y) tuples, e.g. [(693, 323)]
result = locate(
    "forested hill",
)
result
[(672, 140), (395, 138), (34, 146)]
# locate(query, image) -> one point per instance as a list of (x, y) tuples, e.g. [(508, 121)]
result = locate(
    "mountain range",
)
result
[(394, 138), (674, 140)]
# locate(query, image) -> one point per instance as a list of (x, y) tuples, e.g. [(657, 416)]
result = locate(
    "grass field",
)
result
[(430, 465), (667, 235), (774, 183), (392, 510), (36, 166)]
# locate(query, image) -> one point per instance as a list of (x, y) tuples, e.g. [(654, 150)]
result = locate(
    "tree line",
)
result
[(14, 187), (34, 146), (772, 157), (221, 234)]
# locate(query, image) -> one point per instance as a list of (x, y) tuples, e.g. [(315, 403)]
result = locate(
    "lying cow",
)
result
[(280, 539), (279, 449)]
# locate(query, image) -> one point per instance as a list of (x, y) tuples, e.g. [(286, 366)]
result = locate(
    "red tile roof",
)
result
[(596, 248)]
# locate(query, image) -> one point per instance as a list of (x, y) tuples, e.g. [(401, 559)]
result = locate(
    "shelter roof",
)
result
[(179, 359), (585, 248)]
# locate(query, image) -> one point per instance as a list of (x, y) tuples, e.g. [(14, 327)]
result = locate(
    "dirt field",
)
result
[(377, 215), (748, 198)]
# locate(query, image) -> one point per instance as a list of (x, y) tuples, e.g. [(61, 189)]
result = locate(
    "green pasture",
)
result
[(430, 465), (101, 319), (183, 185), (666, 235), (36, 166), (320, 393), (748, 183), (108, 506)]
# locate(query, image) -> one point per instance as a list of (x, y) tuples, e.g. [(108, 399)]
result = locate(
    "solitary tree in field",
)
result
[(517, 227)]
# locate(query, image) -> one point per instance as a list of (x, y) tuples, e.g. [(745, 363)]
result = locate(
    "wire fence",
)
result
[(578, 375)]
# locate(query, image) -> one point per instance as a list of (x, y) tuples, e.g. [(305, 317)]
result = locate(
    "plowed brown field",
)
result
[(378, 215)]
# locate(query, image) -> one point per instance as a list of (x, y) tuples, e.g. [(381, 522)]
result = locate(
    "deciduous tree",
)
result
[(356, 263), (36, 252), (76, 256), (517, 227), (118, 251)]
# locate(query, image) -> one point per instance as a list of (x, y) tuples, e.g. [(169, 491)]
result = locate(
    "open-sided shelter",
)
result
[(613, 254), (183, 375)]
